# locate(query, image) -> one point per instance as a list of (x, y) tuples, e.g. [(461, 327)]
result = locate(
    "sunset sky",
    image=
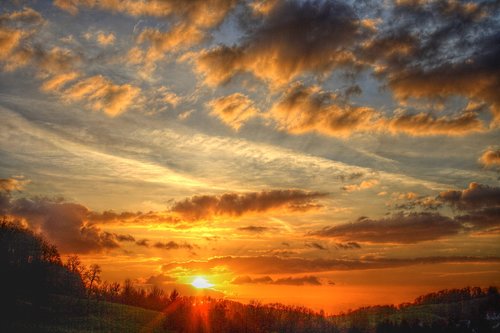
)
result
[(332, 154)]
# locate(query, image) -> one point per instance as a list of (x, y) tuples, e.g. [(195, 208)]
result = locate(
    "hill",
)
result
[(70, 315)]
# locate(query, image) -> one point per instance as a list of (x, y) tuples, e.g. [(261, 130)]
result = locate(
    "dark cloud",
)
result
[(236, 204), (62, 222), (254, 229), (475, 196), (248, 280), (317, 246), (171, 245), (136, 218), (291, 281), (347, 246), (398, 228), (439, 49), (160, 279), (277, 265), (482, 219), (293, 38), (143, 242)]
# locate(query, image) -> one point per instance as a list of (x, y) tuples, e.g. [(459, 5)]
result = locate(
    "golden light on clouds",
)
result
[(263, 148)]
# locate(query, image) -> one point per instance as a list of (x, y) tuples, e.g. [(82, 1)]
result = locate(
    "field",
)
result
[(71, 316)]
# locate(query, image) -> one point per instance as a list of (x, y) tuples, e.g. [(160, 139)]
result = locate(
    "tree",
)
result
[(74, 265), (92, 275)]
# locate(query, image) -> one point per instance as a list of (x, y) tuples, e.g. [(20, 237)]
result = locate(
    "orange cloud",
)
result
[(234, 110), (490, 158), (190, 19), (200, 12), (15, 28), (105, 39), (102, 94), (235, 204), (57, 81), (12, 184), (160, 43), (304, 109), (365, 184), (424, 124), (277, 265)]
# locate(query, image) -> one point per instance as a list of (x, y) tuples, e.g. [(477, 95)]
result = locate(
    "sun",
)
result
[(201, 283)]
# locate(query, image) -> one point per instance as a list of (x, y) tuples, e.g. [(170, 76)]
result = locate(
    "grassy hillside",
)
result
[(69, 315), (451, 313)]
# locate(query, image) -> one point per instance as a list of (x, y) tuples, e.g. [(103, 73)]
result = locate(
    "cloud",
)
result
[(439, 49), (58, 81), (485, 218), (399, 228), (199, 12), (16, 28), (160, 279), (490, 158), (291, 281), (303, 109), (171, 98), (102, 95), (277, 265), (143, 242), (189, 22), (12, 184), (64, 223), (136, 218), (162, 42), (105, 39), (475, 196), (171, 245), (365, 184), (316, 246), (424, 124), (347, 246), (293, 38), (254, 229), (234, 110), (238, 204)]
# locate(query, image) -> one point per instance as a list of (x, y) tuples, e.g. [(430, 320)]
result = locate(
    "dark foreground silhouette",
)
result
[(40, 293)]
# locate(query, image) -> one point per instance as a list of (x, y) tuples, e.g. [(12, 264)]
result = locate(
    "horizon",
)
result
[(327, 154)]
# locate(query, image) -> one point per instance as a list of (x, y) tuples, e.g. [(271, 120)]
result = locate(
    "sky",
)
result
[(332, 154)]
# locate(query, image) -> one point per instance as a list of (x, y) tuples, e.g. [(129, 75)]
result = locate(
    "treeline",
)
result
[(209, 315), (454, 295), (469, 309)]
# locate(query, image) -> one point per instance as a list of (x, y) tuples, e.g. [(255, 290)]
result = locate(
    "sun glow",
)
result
[(201, 283)]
